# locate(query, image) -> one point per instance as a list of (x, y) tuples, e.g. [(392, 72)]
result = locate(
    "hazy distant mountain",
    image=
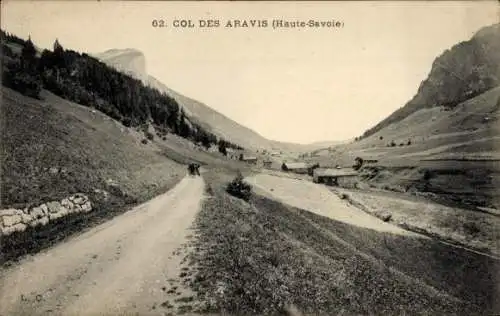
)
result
[(133, 62), (460, 73), (130, 61)]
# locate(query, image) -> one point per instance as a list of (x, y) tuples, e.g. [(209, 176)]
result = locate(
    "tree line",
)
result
[(85, 80)]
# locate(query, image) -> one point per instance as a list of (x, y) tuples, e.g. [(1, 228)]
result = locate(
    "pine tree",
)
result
[(222, 147), (28, 56)]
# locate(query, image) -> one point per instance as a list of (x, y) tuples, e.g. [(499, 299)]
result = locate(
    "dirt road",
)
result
[(122, 266)]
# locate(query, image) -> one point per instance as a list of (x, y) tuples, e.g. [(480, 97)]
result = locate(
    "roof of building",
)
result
[(296, 165), (249, 158), (327, 172)]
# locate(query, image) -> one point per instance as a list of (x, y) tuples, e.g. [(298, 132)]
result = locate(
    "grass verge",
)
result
[(264, 258), (54, 148), (466, 228)]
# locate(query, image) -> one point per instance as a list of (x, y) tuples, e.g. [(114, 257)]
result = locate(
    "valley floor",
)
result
[(267, 257), (197, 249), (469, 228)]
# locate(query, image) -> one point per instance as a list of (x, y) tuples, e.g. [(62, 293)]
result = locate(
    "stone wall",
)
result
[(17, 220)]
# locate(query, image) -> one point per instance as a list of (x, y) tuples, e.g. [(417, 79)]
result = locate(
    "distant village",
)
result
[(276, 160)]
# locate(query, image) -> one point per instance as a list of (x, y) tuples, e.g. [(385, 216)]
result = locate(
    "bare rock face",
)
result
[(466, 70)]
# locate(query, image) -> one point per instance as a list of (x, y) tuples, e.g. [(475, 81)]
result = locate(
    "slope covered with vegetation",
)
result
[(85, 80)]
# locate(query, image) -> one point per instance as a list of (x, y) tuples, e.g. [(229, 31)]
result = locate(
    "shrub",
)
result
[(127, 122), (471, 228), (358, 163), (149, 135), (239, 188), (144, 141), (209, 190)]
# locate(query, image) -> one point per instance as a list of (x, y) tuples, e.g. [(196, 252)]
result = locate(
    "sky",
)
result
[(289, 84)]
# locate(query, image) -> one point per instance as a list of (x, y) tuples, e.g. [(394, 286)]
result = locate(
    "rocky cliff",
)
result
[(466, 70)]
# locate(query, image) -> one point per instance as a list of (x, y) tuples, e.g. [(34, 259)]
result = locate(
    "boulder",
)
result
[(77, 208), (6, 231), (11, 220), (63, 211), (87, 207), (67, 204), (54, 216), (9, 212), (44, 220), (54, 207), (19, 227), (45, 208), (37, 212), (39, 222), (26, 218), (386, 217), (79, 198)]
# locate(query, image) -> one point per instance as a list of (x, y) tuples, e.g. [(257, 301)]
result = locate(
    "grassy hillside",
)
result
[(323, 266), (53, 148), (85, 80), (450, 153)]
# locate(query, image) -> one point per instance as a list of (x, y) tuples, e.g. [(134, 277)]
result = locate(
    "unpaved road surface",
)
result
[(120, 267), (318, 199)]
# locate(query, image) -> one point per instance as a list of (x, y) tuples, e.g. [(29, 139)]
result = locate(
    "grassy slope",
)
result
[(261, 257), (435, 134), (476, 230), (89, 146), (85, 148)]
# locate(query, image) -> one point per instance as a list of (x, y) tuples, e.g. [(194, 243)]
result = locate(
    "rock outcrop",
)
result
[(468, 69), (17, 220)]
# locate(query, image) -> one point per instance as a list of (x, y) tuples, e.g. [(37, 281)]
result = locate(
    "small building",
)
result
[(296, 167), (249, 159), (267, 163), (345, 177)]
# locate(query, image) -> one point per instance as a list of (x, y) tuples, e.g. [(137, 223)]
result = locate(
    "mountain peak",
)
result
[(129, 60)]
